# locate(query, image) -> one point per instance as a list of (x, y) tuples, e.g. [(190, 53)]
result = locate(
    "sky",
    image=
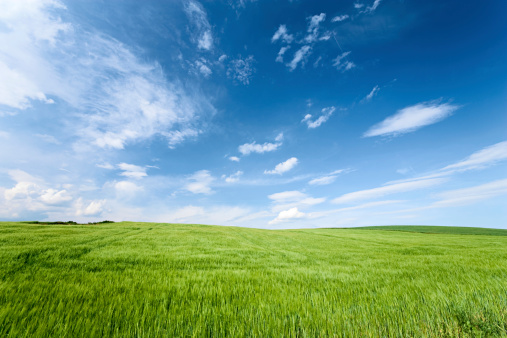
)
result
[(269, 114)]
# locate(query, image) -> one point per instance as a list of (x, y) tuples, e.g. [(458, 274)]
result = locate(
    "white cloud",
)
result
[(283, 167), (127, 189), (412, 118), (203, 68), (175, 137), (241, 69), (373, 7), (279, 57), (339, 18), (234, 158), (48, 138), (358, 5), (253, 147), (326, 114), (341, 64), (313, 27), (118, 98), (288, 215), (233, 178), (300, 55), (27, 25), (53, 196), (200, 183), (105, 165), (388, 190), (94, 208), (324, 180), (370, 96), (287, 196), (132, 171), (202, 29), (293, 199), (482, 158), (471, 195), (282, 33)]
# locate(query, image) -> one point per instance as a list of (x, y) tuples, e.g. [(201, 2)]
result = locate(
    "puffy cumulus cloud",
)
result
[(287, 215), (91, 208), (200, 183), (283, 167), (412, 118), (132, 171), (342, 64), (248, 148), (282, 34), (241, 70), (313, 27), (55, 197), (253, 147), (326, 114), (233, 178), (234, 158), (202, 67), (31, 195), (201, 29)]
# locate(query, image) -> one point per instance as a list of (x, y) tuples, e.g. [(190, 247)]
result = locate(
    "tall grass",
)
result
[(145, 279)]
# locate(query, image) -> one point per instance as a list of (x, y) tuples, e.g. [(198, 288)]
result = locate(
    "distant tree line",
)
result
[(68, 222)]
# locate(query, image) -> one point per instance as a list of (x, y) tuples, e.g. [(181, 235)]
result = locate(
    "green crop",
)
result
[(153, 280)]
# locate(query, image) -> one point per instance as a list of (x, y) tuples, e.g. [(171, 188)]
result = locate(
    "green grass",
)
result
[(440, 230), (145, 279)]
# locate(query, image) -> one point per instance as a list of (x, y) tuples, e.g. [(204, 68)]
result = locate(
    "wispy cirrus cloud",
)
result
[(480, 159), (327, 179), (118, 99), (202, 34), (412, 118), (471, 195), (132, 171), (299, 57), (326, 114), (388, 189), (372, 93), (341, 64)]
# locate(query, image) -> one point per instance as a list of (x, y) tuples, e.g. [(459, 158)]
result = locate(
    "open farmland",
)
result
[(147, 279)]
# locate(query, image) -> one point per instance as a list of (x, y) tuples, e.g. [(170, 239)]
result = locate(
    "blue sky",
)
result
[(270, 114)]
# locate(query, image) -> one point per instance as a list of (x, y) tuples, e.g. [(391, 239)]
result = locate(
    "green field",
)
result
[(146, 279)]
